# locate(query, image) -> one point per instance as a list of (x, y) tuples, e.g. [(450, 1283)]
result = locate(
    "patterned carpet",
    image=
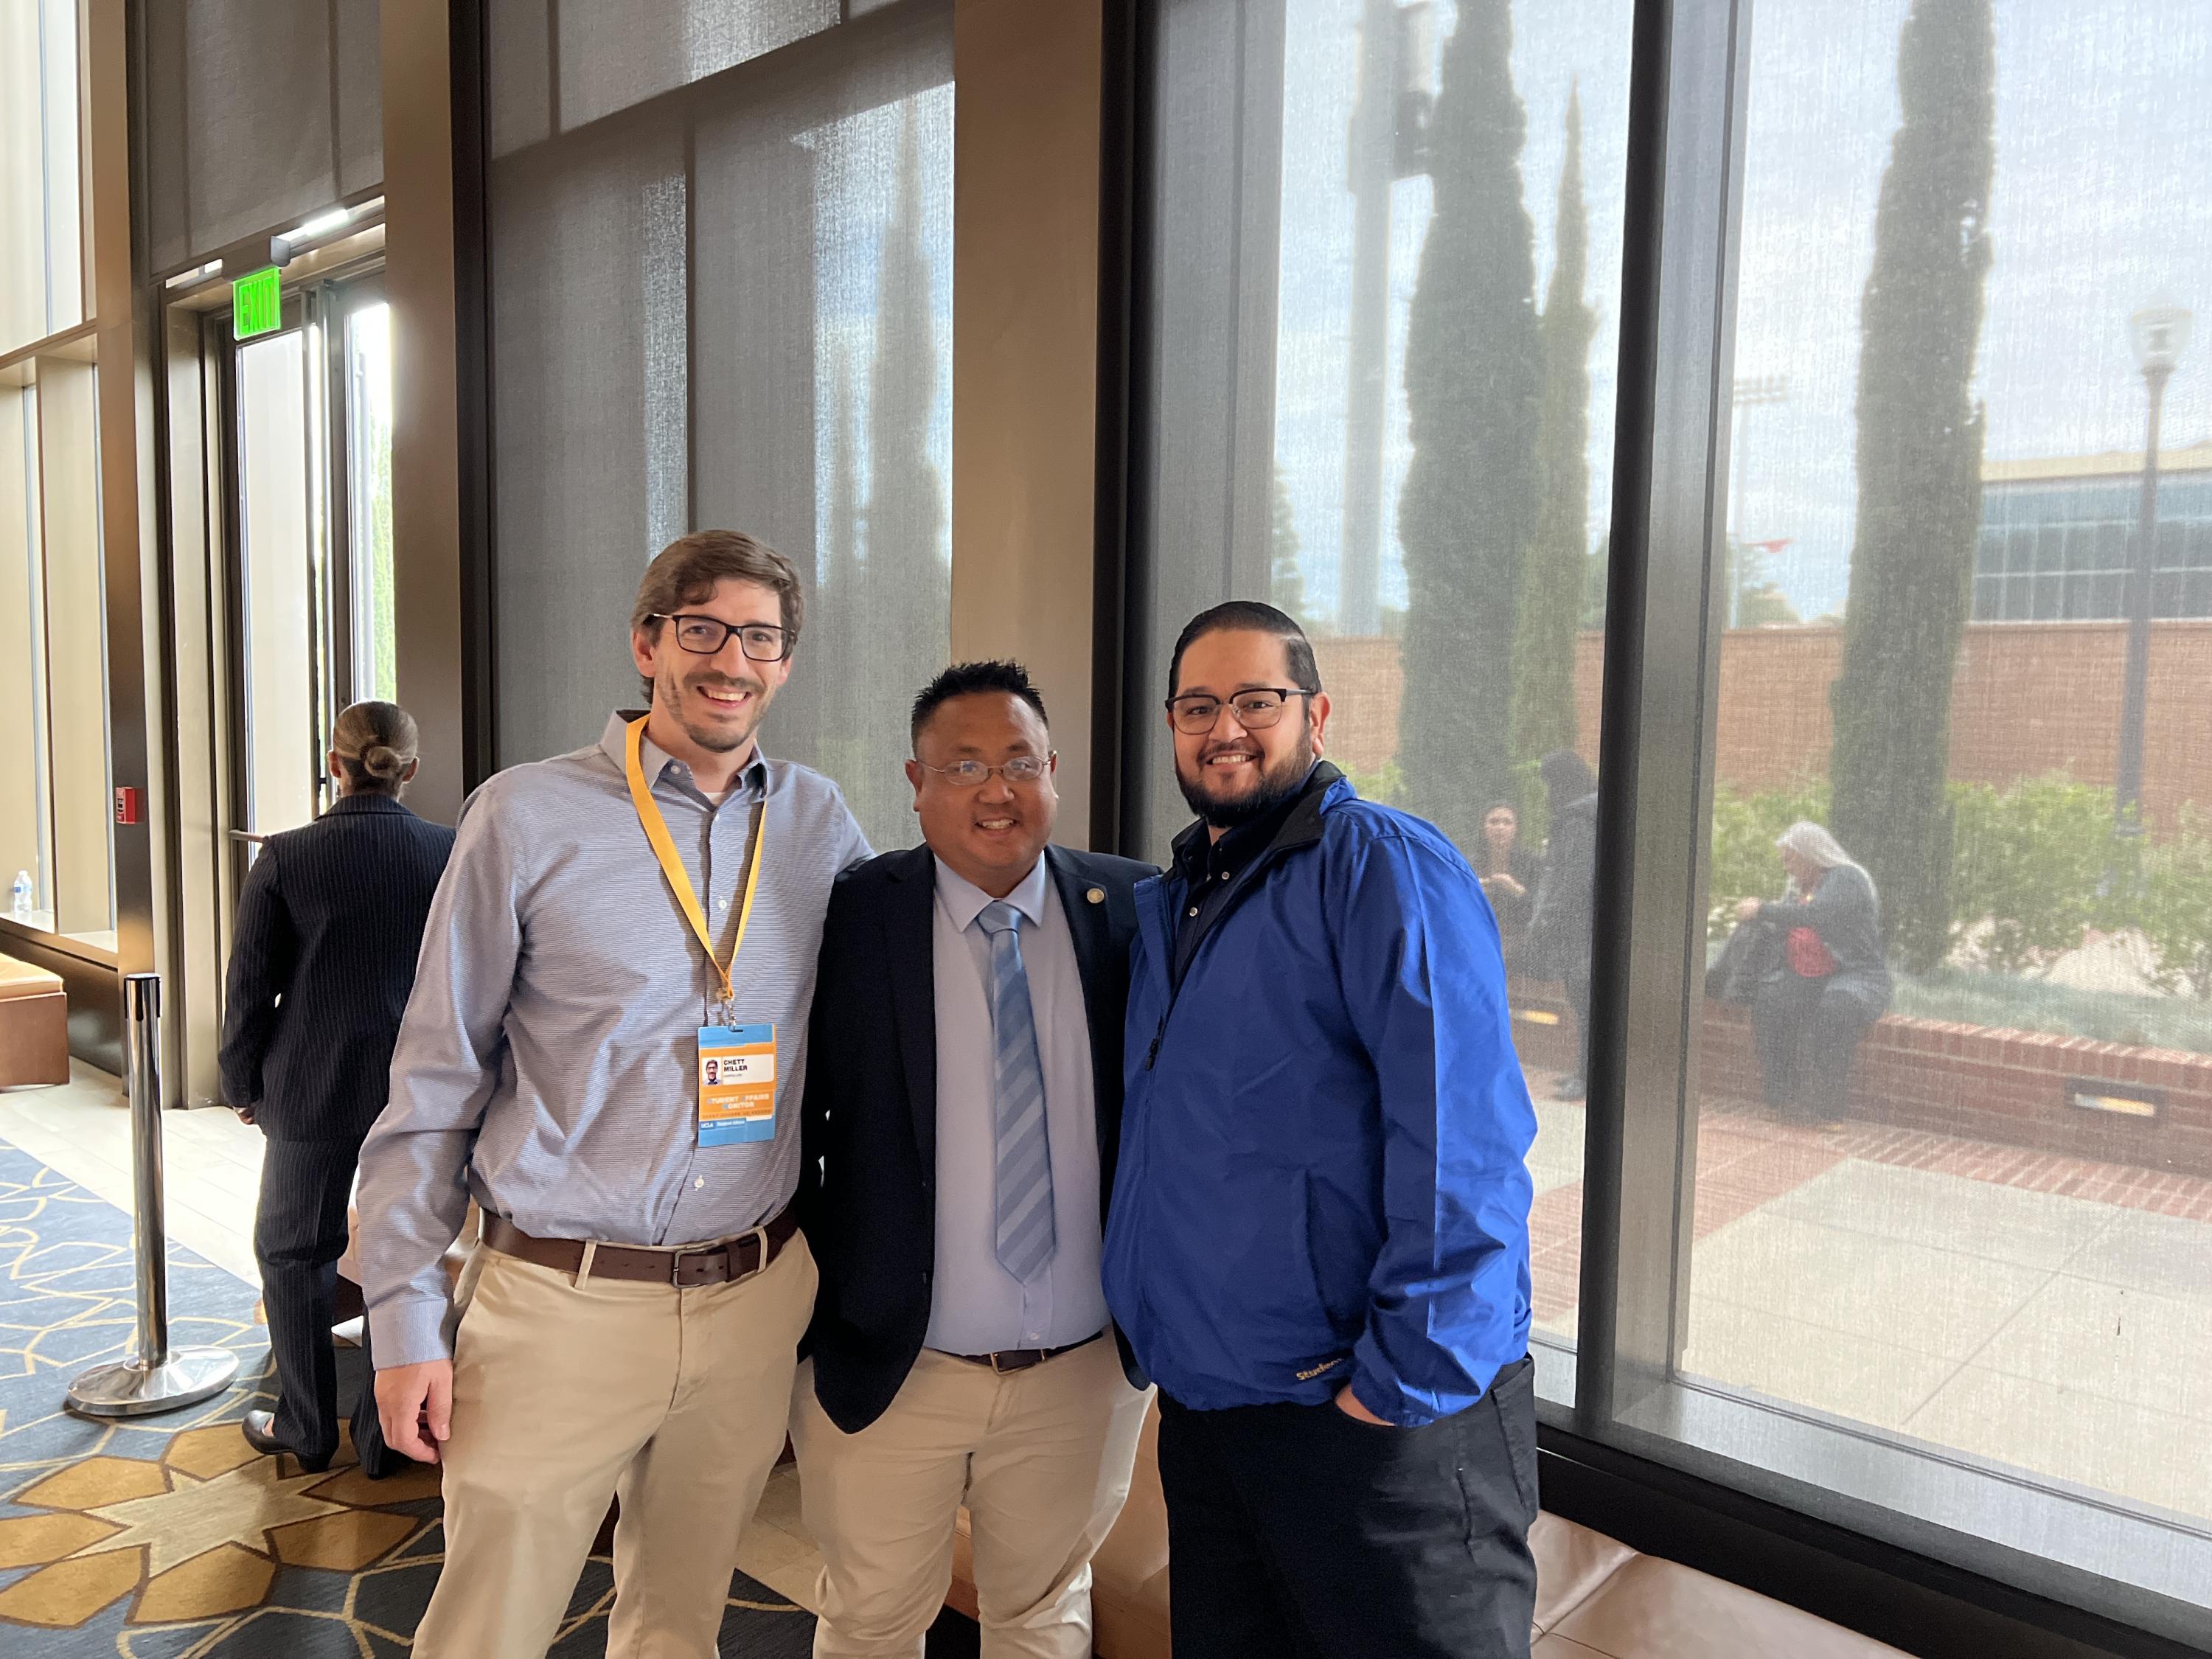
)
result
[(169, 1537)]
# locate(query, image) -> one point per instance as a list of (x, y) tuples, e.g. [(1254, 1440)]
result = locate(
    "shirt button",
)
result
[(700, 1183), (1225, 874), (722, 904), (1193, 909)]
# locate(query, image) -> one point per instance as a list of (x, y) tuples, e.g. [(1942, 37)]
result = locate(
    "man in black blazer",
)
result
[(962, 1114), (330, 922)]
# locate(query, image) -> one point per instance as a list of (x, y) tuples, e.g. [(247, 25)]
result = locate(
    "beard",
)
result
[(1276, 784), (719, 738)]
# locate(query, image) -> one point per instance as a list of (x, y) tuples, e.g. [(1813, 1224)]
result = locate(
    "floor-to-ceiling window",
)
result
[(722, 297), (1377, 373), (55, 861), (1892, 1199)]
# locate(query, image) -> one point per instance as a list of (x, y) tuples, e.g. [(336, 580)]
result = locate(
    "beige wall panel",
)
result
[(418, 281), (76, 643), (18, 735), (1025, 355)]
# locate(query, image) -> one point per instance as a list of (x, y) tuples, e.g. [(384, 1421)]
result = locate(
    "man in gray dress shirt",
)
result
[(961, 1125), (627, 1324)]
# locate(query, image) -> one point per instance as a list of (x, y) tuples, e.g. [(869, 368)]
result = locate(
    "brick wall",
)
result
[(2029, 698), (2010, 1087), (2007, 1087)]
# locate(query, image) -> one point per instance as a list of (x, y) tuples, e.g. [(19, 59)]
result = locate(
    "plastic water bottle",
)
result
[(20, 896)]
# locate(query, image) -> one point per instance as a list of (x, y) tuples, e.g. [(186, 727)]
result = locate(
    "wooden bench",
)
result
[(34, 1025), (1596, 1597)]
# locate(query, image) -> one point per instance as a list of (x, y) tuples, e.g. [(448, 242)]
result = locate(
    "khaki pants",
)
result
[(568, 1395), (1042, 1458)]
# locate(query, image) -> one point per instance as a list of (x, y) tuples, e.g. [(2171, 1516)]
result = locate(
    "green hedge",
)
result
[(2034, 867)]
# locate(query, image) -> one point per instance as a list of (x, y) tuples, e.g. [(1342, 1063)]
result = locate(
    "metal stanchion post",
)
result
[(156, 1377)]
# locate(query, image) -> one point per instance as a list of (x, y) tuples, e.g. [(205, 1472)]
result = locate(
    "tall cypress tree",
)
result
[(1919, 474), (1474, 364), (909, 581), (1548, 612)]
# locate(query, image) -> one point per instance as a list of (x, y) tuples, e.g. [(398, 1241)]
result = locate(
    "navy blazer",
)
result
[(329, 921), (868, 1165)]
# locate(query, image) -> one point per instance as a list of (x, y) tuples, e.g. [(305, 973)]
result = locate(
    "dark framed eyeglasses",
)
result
[(971, 773), (702, 637), (1256, 709)]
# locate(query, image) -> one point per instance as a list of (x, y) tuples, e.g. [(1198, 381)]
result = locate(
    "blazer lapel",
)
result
[(909, 953), (1087, 926)]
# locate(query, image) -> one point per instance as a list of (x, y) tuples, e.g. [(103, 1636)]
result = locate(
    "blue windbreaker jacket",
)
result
[(1324, 1136)]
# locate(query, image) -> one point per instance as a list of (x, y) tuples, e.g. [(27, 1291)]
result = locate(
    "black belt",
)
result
[(1021, 1359)]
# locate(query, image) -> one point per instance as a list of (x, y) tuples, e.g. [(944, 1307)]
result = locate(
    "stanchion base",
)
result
[(129, 1389)]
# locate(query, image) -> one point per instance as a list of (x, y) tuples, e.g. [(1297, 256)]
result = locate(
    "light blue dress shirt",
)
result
[(547, 1063), (975, 1305)]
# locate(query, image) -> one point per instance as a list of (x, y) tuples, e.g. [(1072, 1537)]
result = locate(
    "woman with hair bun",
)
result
[(329, 921)]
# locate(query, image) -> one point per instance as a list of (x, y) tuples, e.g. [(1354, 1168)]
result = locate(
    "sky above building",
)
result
[(2102, 199)]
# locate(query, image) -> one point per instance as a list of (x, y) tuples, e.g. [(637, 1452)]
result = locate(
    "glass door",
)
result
[(281, 634), (310, 509)]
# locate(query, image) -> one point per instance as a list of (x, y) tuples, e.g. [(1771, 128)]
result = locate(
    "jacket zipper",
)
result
[(1266, 861)]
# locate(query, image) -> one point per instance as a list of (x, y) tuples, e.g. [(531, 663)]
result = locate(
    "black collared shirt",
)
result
[(1210, 868)]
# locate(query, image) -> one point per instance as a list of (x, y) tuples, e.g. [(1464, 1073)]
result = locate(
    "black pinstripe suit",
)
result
[(330, 922)]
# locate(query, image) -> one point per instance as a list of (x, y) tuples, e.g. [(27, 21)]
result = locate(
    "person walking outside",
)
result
[(1318, 1244), (1558, 940), (329, 924), (1830, 982), (629, 1322)]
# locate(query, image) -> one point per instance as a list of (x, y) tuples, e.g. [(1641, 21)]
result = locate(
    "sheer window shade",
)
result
[(257, 116), (731, 305)]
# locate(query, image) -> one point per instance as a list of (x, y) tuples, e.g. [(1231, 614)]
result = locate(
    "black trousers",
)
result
[(1807, 1031), (1296, 1530), (299, 1234)]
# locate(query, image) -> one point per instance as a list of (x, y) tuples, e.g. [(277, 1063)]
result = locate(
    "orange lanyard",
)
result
[(679, 879)]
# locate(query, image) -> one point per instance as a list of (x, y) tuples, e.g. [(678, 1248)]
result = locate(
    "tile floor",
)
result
[(1936, 1287), (212, 1166)]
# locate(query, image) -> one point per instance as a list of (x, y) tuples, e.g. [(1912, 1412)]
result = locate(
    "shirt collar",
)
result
[(1199, 858), (750, 784), (964, 900), (366, 801)]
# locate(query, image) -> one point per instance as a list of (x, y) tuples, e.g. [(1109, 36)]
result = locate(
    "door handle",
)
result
[(247, 834)]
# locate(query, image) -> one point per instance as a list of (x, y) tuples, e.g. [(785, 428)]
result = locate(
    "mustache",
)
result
[(716, 679)]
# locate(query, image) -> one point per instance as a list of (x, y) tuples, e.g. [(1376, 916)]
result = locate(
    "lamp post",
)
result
[(2159, 333)]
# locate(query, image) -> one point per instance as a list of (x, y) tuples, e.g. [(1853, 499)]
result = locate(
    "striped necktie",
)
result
[(1023, 1182)]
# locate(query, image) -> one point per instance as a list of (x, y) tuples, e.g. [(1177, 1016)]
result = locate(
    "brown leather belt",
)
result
[(1020, 1359), (685, 1266)]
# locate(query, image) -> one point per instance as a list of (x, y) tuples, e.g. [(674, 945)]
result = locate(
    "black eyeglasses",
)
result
[(1255, 709), (702, 637), (971, 773)]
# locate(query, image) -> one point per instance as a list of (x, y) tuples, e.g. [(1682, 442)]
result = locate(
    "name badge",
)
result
[(737, 1083)]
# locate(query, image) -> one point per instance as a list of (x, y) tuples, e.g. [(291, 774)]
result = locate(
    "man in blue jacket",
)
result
[(1318, 1244)]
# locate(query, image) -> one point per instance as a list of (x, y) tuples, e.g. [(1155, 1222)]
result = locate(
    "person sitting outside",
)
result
[(1829, 982)]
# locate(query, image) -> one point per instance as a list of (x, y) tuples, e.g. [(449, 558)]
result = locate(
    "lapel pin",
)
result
[(1097, 895)]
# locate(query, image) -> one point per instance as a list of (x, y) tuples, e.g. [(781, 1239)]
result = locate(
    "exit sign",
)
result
[(255, 305)]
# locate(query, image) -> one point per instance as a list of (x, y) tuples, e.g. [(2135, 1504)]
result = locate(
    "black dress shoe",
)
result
[(259, 1428)]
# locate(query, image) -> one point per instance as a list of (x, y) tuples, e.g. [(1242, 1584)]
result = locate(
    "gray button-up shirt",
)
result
[(548, 1061), (975, 1305)]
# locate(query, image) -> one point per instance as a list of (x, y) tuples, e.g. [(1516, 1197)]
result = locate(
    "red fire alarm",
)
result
[(126, 804)]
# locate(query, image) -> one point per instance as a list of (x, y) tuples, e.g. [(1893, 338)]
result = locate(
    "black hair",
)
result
[(1567, 778), (966, 678), (1249, 616)]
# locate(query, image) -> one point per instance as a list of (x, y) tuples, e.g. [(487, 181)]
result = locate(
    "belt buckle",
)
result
[(997, 1369)]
